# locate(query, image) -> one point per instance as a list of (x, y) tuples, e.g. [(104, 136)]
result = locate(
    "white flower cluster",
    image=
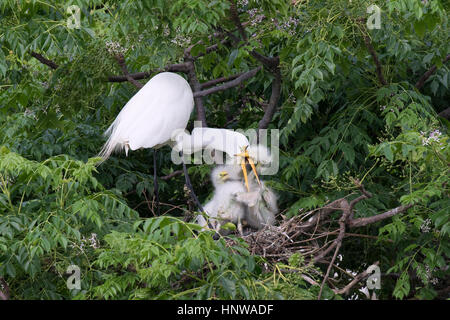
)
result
[(242, 3), (114, 48), (255, 16), (92, 242), (428, 274), (425, 227), (434, 136), (179, 39), (290, 25)]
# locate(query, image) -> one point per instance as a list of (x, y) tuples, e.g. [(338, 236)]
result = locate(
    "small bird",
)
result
[(261, 202), (223, 207)]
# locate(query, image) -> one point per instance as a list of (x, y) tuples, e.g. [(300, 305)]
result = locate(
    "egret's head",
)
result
[(224, 173), (260, 155), (224, 176)]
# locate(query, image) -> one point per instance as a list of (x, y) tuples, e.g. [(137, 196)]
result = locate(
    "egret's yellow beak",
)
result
[(245, 157)]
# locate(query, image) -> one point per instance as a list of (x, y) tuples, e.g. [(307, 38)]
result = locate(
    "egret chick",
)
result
[(223, 207), (261, 202)]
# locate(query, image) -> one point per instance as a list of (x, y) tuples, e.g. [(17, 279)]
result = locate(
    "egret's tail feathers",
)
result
[(113, 144)]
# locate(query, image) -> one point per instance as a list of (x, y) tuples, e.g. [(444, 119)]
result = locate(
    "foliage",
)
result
[(337, 122)]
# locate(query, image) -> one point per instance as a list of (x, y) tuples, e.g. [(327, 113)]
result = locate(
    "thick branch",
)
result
[(445, 113), (273, 101), (229, 84), (196, 87), (373, 53), (237, 20), (213, 82), (121, 60), (428, 74), (45, 61), (171, 175), (361, 222), (178, 67)]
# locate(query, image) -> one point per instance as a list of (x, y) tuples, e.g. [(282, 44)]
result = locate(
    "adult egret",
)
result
[(223, 207), (150, 118)]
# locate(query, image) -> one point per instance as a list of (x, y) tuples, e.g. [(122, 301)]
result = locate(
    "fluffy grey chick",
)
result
[(223, 207), (261, 201)]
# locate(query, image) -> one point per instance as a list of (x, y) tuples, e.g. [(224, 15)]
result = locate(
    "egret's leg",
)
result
[(189, 185), (155, 182)]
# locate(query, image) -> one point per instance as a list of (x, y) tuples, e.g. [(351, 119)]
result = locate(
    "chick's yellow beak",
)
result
[(245, 157), (223, 175)]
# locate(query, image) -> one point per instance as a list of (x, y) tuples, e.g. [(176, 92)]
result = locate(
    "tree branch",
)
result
[(196, 87), (357, 279), (273, 101), (213, 82), (45, 61), (445, 113), (361, 222), (230, 84), (237, 20), (373, 53), (337, 243), (428, 74), (171, 175), (177, 67), (121, 60)]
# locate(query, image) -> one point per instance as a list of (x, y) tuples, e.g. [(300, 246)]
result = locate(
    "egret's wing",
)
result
[(228, 141), (151, 116), (270, 199), (248, 198)]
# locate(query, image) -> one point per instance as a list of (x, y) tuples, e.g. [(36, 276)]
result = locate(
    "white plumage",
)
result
[(152, 115), (223, 207)]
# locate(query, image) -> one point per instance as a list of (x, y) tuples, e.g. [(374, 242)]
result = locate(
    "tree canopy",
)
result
[(359, 91)]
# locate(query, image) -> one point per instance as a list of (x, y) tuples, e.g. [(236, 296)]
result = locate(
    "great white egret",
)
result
[(158, 114), (223, 207), (150, 117)]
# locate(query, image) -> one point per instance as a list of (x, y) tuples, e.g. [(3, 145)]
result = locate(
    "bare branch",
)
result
[(357, 279), (230, 84), (373, 53), (428, 74), (171, 175), (44, 60), (213, 82), (121, 60), (445, 114), (196, 87), (237, 20), (273, 101), (361, 222), (337, 243)]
